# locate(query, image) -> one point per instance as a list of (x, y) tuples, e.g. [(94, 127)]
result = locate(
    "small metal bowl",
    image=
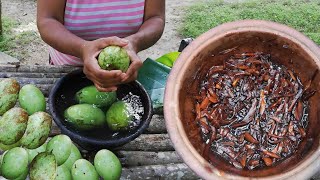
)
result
[(62, 96)]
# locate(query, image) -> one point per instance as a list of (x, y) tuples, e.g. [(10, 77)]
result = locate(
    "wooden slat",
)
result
[(30, 75), (37, 69), (149, 142), (141, 158), (157, 124), (35, 81), (8, 68), (169, 171)]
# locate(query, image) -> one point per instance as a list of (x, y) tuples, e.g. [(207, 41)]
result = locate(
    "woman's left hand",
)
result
[(148, 34), (132, 73)]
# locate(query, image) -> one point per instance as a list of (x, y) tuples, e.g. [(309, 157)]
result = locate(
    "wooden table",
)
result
[(150, 156)]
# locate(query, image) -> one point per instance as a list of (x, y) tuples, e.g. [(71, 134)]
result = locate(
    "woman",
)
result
[(77, 30)]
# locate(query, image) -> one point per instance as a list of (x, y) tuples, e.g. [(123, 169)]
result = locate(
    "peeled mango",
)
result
[(107, 165), (114, 58), (38, 129), (13, 125), (43, 167), (14, 163), (63, 173), (31, 99), (34, 152), (73, 157), (84, 170), (60, 147), (118, 116), (9, 89), (4, 147), (90, 95), (85, 116)]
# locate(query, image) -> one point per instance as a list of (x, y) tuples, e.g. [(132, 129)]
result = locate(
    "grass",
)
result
[(7, 37), (12, 42), (303, 15)]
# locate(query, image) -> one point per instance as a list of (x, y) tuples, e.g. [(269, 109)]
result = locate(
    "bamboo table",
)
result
[(150, 156)]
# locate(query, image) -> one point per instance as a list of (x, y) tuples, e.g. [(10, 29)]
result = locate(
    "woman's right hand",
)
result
[(102, 79)]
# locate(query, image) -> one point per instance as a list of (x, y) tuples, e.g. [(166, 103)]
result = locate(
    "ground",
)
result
[(24, 12)]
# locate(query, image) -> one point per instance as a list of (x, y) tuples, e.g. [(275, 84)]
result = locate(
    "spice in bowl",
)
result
[(252, 112)]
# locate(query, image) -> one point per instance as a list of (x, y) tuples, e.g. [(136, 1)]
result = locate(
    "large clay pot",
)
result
[(287, 47)]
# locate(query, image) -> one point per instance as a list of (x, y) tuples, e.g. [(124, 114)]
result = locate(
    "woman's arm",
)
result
[(50, 17), (148, 34), (152, 28)]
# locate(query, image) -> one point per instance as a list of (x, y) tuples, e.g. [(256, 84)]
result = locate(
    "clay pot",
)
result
[(287, 47)]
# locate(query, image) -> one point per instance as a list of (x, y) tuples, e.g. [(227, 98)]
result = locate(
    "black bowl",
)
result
[(62, 96)]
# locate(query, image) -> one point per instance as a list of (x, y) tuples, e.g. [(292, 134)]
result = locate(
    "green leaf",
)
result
[(153, 76)]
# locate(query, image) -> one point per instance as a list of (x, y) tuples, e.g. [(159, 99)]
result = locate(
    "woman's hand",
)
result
[(148, 34), (136, 63), (102, 79)]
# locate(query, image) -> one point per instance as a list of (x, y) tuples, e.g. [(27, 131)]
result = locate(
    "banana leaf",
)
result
[(153, 76)]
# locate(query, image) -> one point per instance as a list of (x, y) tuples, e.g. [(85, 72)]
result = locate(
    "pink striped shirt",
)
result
[(93, 19)]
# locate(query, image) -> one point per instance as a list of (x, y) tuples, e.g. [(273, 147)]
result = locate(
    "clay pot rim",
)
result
[(174, 126)]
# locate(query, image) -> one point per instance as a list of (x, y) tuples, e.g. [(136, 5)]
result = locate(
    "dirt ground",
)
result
[(24, 12)]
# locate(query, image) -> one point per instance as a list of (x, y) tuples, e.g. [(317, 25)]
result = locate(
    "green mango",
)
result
[(60, 147), (31, 99), (14, 163), (169, 58), (63, 173), (107, 165), (9, 89), (43, 167), (4, 147), (24, 175), (90, 95), (114, 58), (34, 152), (74, 155), (1, 158), (85, 116), (84, 170), (13, 125), (38, 129), (118, 116)]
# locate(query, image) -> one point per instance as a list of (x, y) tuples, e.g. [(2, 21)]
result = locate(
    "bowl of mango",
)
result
[(97, 120)]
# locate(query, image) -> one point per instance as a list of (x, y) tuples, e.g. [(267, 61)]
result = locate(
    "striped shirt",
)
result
[(93, 19)]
